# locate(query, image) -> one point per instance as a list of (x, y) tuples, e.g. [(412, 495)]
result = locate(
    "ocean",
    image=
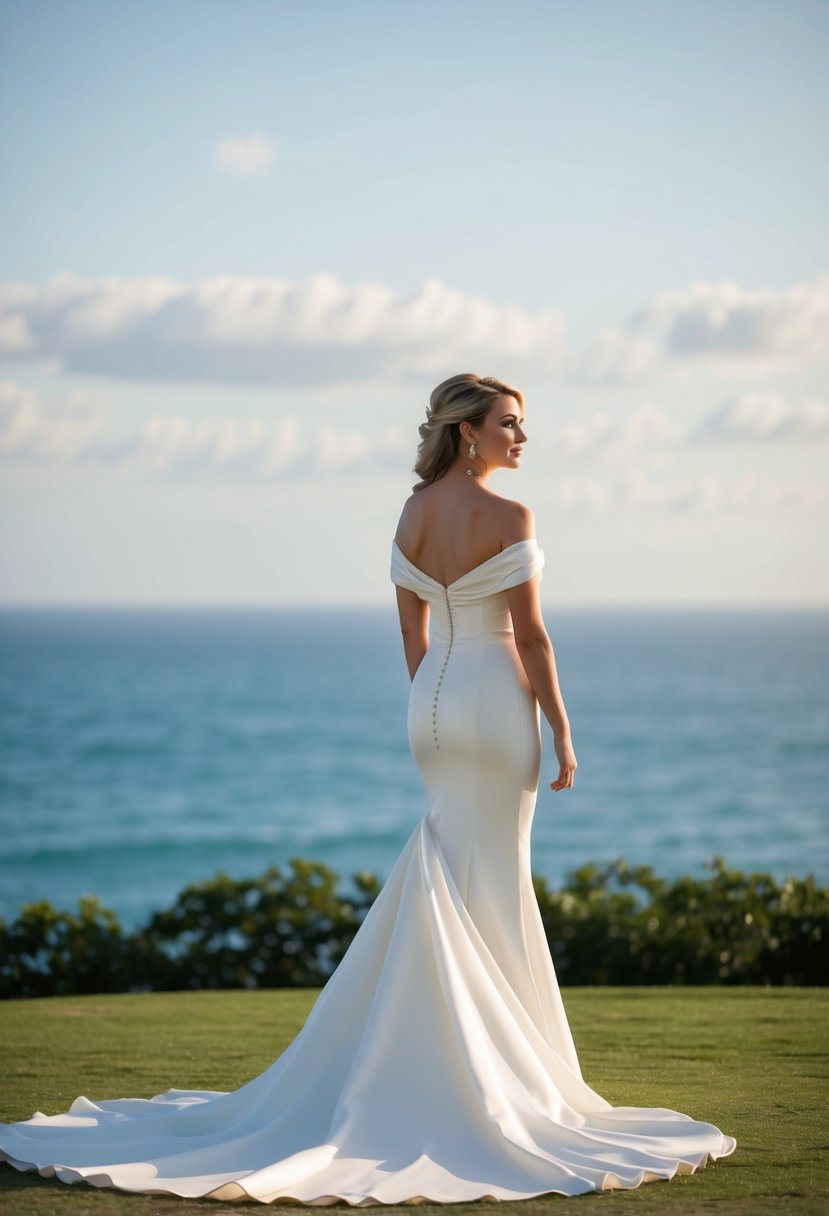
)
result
[(144, 749)]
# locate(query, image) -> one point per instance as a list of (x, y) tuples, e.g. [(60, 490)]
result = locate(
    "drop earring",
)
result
[(470, 472)]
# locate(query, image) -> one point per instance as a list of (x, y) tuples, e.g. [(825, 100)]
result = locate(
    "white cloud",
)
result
[(269, 331), (601, 438), (615, 356), (171, 446), (15, 338), (63, 428), (238, 330), (763, 417), (705, 495), (721, 322), (174, 445), (725, 318), (581, 495), (750, 417), (636, 491), (19, 417), (250, 449), (244, 155)]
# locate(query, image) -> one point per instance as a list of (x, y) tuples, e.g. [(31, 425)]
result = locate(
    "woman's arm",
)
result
[(414, 625), (538, 660)]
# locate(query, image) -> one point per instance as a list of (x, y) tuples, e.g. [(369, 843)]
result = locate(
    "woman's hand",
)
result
[(567, 762)]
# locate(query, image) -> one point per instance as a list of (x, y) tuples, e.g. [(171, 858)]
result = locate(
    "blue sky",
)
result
[(245, 240)]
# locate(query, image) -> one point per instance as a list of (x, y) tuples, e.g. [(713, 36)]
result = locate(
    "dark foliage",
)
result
[(618, 924), (612, 924)]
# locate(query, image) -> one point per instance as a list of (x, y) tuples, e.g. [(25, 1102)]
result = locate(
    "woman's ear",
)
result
[(467, 434)]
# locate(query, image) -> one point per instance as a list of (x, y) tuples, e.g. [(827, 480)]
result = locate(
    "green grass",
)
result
[(753, 1061)]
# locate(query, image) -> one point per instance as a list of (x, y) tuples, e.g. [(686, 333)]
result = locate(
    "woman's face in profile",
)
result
[(500, 438)]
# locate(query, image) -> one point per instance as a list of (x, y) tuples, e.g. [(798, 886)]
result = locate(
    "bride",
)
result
[(437, 1063)]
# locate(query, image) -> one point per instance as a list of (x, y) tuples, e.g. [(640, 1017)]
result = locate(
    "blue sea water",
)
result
[(143, 749)]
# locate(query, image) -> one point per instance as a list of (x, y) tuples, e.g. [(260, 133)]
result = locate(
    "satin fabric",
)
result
[(437, 1064)]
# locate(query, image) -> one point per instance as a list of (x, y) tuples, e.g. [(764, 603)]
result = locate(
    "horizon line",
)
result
[(376, 605)]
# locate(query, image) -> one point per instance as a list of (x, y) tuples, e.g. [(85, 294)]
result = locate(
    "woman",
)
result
[(437, 1063)]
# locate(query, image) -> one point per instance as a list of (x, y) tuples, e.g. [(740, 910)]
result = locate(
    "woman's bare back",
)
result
[(451, 526)]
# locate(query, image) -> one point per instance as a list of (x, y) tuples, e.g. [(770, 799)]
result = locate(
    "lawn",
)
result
[(751, 1060)]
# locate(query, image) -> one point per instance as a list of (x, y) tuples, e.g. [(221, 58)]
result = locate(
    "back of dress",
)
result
[(474, 732), (471, 658), (471, 708)]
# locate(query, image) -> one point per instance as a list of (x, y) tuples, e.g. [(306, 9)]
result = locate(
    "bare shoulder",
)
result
[(410, 516), (514, 521)]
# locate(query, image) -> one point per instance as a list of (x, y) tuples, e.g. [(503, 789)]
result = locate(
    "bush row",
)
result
[(610, 924)]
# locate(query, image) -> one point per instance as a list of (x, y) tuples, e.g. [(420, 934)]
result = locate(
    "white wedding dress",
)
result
[(437, 1063)]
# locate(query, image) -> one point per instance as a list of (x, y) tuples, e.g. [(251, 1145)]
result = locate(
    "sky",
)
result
[(244, 240)]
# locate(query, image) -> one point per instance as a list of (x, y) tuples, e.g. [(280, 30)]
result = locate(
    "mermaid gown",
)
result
[(437, 1063)]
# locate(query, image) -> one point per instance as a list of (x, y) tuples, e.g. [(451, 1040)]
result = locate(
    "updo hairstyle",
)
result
[(463, 398)]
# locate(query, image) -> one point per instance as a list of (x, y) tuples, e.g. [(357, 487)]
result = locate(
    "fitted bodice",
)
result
[(474, 605)]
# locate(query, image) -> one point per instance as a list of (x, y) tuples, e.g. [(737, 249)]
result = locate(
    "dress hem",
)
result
[(610, 1182)]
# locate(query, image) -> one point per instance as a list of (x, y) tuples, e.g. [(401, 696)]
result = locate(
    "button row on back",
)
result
[(443, 668)]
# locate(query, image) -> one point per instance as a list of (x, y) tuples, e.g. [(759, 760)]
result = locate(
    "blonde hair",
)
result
[(463, 398)]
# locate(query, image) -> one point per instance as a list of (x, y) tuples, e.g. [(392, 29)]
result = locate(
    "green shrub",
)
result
[(618, 924), (270, 932), (611, 924), (50, 953)]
